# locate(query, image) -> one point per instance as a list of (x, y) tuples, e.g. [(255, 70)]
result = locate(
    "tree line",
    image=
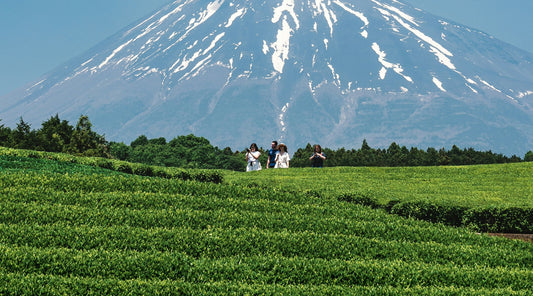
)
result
[(396, 155), (189, 151), (56, 135)]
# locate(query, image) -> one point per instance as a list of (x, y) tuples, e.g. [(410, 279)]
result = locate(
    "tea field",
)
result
[(472, 186), (496, 198), (68, 228)]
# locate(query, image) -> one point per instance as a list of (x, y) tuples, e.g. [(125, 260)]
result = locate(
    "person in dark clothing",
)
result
[(318, 157), (272, 155)]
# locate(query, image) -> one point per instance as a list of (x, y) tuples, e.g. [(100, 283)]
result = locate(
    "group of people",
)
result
[(278, 157)]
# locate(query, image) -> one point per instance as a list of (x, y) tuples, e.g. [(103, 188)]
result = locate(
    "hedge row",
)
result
[(270, 269), (212, 176), (227, 242), (38, 284), (488, 219)]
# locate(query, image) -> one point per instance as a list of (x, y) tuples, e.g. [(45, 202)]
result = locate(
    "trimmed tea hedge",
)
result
[(489, 219), (118, 165)]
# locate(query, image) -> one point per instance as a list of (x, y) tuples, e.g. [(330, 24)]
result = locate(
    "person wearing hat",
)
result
[(282, 158)]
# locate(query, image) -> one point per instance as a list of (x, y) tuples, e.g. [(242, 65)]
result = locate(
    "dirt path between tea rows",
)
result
[(524, 237)]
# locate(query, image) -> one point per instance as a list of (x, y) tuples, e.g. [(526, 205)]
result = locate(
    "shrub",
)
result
[(494, 219), (423, 210), (143, 170), (359, 198), (124, 168), (104, 163)]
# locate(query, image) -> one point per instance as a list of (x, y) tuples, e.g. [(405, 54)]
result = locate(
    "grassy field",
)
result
[(72, 229)]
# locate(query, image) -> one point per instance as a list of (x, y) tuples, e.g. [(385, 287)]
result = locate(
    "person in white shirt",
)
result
[(283, 158), (252, 158)]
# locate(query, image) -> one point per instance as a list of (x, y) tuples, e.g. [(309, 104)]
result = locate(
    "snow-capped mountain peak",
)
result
[(331, 71)]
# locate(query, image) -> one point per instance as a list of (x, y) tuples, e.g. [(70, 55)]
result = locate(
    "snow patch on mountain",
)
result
[(438, 83), (358, 14), (234, 16), (387, 65), (282, 44)]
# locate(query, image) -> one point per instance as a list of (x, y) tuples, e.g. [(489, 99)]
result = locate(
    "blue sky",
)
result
[(37, 36)]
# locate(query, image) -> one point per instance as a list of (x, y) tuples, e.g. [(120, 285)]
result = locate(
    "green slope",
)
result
[(78, 230)]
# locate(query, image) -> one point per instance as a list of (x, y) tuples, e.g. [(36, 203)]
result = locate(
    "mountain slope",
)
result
[(333, 72)]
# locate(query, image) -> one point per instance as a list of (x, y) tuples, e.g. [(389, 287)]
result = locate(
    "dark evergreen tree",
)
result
[(23, 136), (431, 157), (85, 141), (5, 136)]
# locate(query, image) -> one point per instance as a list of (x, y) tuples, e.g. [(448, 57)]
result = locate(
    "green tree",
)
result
[(528, 156), (120, 150), (140, 141), (300, 158), (444, 159), (5, 136), (396, 155), (55, 134), (367, 155), (85, 141), (432, 157), (158, 141), (190, 141), (23, 136)]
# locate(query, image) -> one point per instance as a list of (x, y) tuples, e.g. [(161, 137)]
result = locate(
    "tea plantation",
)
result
[(68, 228), (487, 198)]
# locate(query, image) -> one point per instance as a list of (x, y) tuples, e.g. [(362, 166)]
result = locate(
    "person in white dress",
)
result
[(283, 158), (252, 158)]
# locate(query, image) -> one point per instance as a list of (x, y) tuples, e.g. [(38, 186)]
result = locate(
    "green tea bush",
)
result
[(104, 163), (359, 198), (424, 210), (143, 170), (490, 219), (121, 166), (494, 219)]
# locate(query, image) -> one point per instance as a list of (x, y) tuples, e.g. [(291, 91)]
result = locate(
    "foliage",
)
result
[(528, 156), (496, 198), (396, 155), (23, 136), (56, 135), (111, 164), (183, 151), (84, 141), (191, 151), (70, 229)]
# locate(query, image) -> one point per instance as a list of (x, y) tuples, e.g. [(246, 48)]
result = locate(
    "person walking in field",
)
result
[(252, 158), (318, 157), (283, 158), (272, 152)]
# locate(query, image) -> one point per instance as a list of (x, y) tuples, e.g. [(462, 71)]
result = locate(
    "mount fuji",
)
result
[(332, 72)]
